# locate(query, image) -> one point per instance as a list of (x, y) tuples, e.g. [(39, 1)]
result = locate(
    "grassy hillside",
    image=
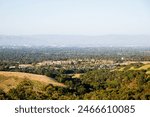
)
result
[(127, 82), (9, 80), (135, 66)]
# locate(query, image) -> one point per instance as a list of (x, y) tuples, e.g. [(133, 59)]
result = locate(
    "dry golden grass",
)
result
[(76, 75), (133, 68), (10, 80), (121, 69), (148, 72), (145, 67)]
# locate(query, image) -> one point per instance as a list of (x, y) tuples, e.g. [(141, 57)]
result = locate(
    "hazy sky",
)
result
[(75, 17)]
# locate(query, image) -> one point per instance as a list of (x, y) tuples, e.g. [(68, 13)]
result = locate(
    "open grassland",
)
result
[(148, 72), (133, 67), (144, 67), (9, 80), (76, 75)]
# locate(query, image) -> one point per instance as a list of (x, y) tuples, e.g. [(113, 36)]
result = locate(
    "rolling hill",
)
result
[(9, 80)]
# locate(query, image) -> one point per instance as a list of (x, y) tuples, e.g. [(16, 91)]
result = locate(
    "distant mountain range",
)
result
[(76, 41)]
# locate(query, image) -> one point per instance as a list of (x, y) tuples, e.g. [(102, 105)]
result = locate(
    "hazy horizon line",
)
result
[(74, 35)]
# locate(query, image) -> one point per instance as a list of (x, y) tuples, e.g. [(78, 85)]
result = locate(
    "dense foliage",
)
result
[(95, 85)]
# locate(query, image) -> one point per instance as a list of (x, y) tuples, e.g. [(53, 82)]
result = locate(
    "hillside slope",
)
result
[(9, 80)]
